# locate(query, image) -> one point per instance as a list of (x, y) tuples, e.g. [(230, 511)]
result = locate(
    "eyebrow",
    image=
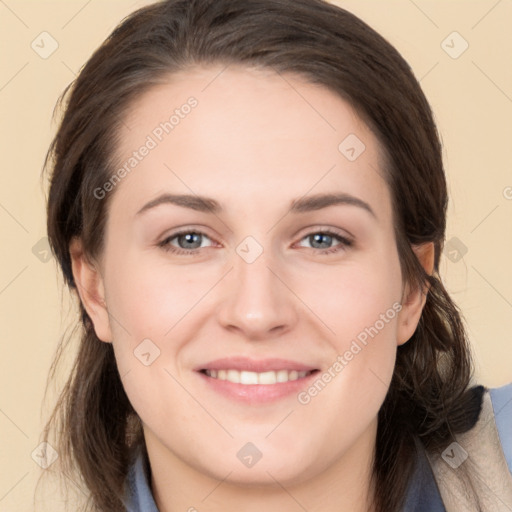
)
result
[(302, 205)]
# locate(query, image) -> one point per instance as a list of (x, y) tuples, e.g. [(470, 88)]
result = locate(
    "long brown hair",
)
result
[(430, 398)]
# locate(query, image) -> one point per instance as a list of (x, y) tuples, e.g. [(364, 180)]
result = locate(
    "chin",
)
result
[(286, 468)]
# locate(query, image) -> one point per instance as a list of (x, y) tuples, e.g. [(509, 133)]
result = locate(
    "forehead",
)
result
[(284, 104), (231, 131)]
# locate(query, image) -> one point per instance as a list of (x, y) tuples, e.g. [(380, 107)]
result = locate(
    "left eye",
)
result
[(191, 241), (327, 237), (189, 238)]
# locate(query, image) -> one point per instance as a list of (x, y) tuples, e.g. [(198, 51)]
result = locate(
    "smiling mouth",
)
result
[(254, 378)]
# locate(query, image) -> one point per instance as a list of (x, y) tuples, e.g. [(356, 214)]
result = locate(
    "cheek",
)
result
[(150, 299), (363, 351), (146, 303), (156, 311), (354, 299), (360, 305)]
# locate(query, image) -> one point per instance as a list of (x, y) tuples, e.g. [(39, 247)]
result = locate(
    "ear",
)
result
[(413, 300), (89, 283)]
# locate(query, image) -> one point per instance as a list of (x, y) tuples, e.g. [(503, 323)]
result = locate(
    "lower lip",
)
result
[(257, 393)]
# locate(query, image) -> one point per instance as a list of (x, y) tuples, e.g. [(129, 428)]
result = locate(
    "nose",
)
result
[(257, 300)]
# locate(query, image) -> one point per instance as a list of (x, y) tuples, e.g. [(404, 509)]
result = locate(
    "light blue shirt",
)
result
[(422, 496)]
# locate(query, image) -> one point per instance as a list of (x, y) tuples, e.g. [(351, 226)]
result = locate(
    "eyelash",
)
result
[(166, 246)]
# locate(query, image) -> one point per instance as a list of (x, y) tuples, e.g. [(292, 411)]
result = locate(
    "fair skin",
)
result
[(254, 145)]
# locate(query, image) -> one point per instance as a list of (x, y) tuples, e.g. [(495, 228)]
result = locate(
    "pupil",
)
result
[(189, 238), (319, 236)]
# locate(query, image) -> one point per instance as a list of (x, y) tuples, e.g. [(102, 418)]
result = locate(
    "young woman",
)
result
[(248, 198)]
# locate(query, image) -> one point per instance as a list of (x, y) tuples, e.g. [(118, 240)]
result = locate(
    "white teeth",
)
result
[(267, 378), (247, 378), (233, 376), (282, 376)]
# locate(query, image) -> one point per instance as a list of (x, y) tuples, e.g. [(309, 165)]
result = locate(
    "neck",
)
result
[(345, 484)]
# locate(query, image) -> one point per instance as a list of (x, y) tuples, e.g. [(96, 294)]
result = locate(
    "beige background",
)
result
[(472, 99)]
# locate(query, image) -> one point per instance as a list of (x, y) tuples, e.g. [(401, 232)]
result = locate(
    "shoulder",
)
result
[(485, 451), (501, 399)]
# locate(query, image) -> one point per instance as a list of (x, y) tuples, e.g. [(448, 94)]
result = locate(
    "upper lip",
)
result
[(254, 365)]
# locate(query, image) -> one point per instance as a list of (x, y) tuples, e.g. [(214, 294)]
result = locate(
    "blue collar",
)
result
[(137, 488), (423, 494)]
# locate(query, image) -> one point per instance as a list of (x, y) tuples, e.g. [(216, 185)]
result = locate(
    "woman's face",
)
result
[(289, 266)]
